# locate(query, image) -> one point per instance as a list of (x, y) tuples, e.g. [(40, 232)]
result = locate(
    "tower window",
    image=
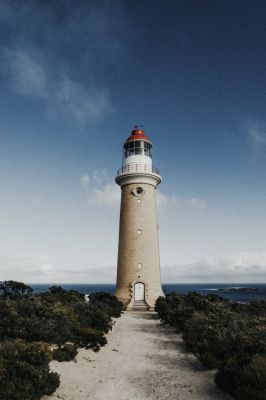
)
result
[(138, 191), (139, 201), (139, 265), (139, 231)]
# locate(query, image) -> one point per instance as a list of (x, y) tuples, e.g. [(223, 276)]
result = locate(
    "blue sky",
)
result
[(75, 78)]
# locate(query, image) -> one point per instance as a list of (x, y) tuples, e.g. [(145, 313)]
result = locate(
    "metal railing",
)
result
[(138, 168)]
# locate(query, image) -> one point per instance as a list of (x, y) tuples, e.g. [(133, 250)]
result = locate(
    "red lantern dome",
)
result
[(138, 134)]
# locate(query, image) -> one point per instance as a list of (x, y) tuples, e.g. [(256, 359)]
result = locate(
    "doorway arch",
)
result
[(139, 291)]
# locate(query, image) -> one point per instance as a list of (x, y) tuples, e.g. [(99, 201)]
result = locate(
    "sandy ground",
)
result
[(142, 361)]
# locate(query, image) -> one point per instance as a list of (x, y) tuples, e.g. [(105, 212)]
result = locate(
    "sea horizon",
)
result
[(257, 290)]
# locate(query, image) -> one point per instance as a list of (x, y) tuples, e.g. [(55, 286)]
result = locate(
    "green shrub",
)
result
[(90, 338), (225, 335), (66, 353), (24, 371), (244, 379), (51, 384), (214, 337), (55, 317), (107, 302), (13, 289), (175, 309), (58, 316), (62, 295)]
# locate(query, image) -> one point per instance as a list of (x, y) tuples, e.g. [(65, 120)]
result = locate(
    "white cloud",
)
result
[(107, 196), (85, 180), (249, 267), (258, 137), (195, 202), (256, 132), (46, 269), (102, 191), (36, 268), (27, 75), (100, 176), (245, 267), (30, 76), (71, 98), (23, 266), (164, 200), (62, 59)]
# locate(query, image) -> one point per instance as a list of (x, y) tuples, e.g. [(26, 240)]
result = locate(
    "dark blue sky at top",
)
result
[(77, 76), (192, 72)]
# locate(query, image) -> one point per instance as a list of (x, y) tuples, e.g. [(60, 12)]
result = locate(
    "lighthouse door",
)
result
[(139, 291)]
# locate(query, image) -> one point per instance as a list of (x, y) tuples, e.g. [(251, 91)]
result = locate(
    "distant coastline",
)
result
[(233, 291), (242, 289)]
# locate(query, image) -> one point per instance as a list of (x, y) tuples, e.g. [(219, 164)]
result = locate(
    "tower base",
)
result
[(129, 299)]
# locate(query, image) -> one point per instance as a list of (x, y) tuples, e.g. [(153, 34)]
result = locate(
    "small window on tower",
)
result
[(138, 191), (139, 201), (139, 231), (139, 265)]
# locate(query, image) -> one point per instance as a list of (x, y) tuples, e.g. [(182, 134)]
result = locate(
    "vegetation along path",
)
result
[(142, 361)]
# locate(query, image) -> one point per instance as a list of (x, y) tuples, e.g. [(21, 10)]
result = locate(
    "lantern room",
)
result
[(137, 148)]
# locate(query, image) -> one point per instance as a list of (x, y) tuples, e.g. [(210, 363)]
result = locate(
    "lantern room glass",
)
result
[(137, 147)]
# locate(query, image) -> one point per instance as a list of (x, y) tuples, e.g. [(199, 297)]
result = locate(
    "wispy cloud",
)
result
[(164, 200), (256, 132), (62, 56), (84, 105), (39, 268), (107, 196), (102, 191), (243, 267), (85, 180), (27, 75), (21, 266), (249, 267), (100, 176)]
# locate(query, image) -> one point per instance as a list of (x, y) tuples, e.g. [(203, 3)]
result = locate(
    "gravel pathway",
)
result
[(142, 361)]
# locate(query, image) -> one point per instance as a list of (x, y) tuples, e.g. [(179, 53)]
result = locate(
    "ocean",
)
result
[(237, 292)]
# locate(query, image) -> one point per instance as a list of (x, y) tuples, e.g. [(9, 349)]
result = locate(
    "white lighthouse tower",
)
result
[(138, 268)]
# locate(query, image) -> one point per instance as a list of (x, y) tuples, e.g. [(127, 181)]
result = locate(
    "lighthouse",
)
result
[(138, 268)]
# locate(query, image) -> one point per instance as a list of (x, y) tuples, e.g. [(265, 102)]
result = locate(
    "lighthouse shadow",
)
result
[(144, 315), (171, 371), (165, 337)]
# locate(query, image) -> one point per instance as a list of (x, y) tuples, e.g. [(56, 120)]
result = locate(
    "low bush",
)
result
[(65, 353), (13, 289), (58, 317), (24, 371), (90, 338), (222, 334), (215, 337), (175, 309), (107, 302), (244, 379)]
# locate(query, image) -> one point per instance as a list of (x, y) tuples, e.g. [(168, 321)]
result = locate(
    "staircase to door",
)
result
[(140, 305), (139, 298)]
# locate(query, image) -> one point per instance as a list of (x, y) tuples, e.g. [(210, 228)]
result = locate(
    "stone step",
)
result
[(140, 305)]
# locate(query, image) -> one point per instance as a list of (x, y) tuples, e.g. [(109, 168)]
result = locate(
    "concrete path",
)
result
[(142, 361)]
